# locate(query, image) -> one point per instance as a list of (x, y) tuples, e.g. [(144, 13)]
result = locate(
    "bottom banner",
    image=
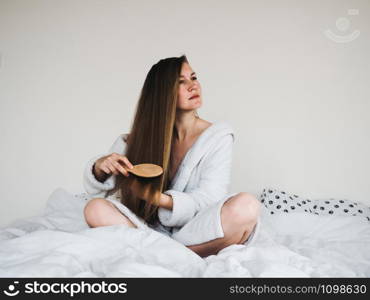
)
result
[(172, 288)]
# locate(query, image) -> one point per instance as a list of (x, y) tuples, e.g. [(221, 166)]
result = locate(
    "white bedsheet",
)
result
[(60, 244)]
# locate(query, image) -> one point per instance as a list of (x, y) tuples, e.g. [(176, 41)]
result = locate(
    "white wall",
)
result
[(71, 72)]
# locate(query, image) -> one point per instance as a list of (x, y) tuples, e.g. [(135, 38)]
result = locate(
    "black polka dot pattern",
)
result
[(277, 201)]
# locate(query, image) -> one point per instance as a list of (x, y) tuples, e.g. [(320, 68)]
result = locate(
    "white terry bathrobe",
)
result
[(198, 189)]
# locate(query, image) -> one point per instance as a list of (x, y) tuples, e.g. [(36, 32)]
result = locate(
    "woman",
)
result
[(189, 201)]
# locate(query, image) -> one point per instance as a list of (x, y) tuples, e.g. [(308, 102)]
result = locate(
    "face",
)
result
[(189, 86)]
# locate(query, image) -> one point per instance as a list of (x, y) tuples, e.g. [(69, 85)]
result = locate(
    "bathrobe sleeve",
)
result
[(91, 185), (213, 186)]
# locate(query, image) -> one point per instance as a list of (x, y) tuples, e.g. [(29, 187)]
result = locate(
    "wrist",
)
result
[(166, 201), (100, 176)]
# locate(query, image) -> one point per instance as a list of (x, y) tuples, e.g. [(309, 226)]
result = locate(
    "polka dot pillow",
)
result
[(277, 201)]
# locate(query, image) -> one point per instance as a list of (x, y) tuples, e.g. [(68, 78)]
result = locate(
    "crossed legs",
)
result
[(239, 215)]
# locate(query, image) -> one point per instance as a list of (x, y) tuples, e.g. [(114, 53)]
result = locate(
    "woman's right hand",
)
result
[(113, 164)]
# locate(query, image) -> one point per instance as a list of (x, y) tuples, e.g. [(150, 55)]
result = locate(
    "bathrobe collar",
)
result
[(204, 143)]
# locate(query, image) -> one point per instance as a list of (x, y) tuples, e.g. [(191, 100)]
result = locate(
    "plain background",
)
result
[(71, 72)]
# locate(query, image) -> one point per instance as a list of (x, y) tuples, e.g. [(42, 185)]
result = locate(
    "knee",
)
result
[(244, 208), (94, 211)]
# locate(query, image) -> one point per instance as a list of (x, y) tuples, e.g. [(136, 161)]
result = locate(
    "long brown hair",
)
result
[(150, 138)]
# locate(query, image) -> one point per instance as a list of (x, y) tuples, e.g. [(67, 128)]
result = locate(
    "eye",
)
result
[(193, 78)]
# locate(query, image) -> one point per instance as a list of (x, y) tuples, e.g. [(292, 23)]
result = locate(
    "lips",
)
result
[(193, 97)]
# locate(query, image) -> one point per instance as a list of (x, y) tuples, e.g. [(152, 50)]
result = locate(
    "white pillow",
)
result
[(277, 201)]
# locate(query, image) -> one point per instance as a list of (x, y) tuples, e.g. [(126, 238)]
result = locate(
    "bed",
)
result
[(298, 243)]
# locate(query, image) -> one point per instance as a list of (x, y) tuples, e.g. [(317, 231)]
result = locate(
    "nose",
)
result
[(192, 86)]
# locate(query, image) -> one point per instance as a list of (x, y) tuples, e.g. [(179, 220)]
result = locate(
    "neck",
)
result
[(185, 125)]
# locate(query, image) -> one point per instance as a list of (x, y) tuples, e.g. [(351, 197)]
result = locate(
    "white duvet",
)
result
[(60, 244)]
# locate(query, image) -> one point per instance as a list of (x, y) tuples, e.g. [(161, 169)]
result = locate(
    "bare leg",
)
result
[(238, 217), (101, 212)]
